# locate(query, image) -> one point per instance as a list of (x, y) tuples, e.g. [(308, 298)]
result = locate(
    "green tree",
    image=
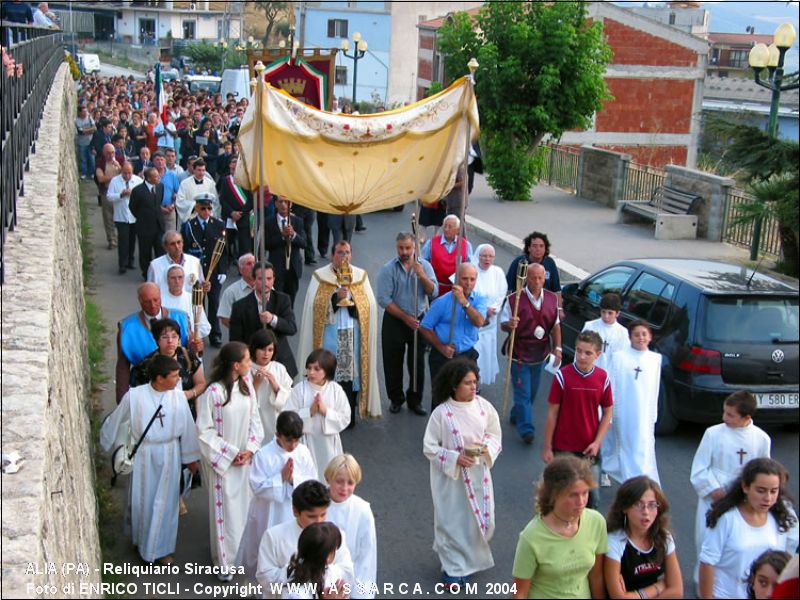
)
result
[(272, 12), (770, 170), (541, 72), (214, 56)]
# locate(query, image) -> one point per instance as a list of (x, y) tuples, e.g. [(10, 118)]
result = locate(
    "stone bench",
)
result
[(669, 208)]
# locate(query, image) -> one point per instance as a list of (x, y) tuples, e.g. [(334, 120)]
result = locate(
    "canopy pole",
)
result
[(261, 216), (473, 66)]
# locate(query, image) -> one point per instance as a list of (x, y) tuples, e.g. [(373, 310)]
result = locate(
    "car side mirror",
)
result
[(572, 289)]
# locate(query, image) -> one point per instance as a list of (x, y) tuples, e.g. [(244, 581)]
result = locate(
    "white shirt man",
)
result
[(119, 194), (176, 296), (173, 245), (41, 18), (238, 289), (191, 187)]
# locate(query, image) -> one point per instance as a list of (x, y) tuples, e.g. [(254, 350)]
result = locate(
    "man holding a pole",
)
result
[(452, 324), (535, 321), (404, 283)]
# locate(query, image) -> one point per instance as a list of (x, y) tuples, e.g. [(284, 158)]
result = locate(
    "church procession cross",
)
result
[(638, 370), (741, 454)]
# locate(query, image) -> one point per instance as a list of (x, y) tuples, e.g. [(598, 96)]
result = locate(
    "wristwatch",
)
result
[(467, 305)]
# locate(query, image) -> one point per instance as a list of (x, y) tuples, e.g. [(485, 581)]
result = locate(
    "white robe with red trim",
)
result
[(225, 431)]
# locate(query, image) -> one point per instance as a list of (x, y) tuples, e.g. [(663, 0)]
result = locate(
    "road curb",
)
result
[(513, 244)]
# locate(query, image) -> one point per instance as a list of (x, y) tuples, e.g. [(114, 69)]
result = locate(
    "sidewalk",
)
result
[(584, 236)]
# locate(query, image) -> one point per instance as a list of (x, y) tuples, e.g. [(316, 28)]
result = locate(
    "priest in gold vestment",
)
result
[(340, 314)]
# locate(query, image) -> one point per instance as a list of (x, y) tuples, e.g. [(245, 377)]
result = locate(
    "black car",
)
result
[(719, 328)]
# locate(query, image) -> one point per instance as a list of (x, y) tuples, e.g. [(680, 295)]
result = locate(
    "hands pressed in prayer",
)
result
[(319, 406), (288, 470)]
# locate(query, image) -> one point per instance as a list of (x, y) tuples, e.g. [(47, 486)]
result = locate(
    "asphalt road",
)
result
[(396, 474)]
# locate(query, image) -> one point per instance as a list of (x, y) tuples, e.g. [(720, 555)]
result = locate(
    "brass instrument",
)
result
[(522, 275), (344, 277)]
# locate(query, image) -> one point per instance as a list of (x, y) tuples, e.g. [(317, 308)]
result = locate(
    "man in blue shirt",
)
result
[(171, 186), (397, 282), (467, 318)]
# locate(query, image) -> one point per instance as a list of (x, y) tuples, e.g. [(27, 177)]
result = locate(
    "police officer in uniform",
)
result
[(200, 235)]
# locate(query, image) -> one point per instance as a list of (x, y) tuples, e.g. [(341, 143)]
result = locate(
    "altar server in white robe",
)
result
[(492, 285), (635, 379), (353, 515), (230, 433), (310, 501), (323, 406), (272, 382), (277, 469), (723, 451), (462, 442), (615, 339), (171, 441)]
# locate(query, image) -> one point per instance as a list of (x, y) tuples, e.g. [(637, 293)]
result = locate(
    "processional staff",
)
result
[(522, 275)]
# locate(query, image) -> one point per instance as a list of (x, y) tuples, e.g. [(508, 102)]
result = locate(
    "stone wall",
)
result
[(601, 175), (712, 189), (49, 510)]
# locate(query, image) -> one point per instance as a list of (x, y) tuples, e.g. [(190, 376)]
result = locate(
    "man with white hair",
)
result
[(119, 194), (440, 251), (238, 289), (42, 16), (176, 296)]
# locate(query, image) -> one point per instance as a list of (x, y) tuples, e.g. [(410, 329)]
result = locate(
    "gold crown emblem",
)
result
[(293, 85)]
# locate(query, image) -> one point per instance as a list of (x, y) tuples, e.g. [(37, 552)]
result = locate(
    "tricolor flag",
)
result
[(161, 95)]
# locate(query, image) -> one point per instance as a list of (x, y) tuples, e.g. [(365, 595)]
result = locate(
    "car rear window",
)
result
[(752, 319)]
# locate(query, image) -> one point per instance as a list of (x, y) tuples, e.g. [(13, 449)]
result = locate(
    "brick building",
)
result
[(656, 76)]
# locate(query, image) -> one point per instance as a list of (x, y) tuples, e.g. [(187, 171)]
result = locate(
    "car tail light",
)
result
[(701, 360)]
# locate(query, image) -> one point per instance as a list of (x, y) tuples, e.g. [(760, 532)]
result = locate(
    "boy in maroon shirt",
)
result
[(579, 390)]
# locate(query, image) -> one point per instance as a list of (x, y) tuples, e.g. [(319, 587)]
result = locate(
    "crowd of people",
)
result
[(262, 435)]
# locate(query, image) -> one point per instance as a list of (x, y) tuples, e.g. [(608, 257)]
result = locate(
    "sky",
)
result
[(734, 17)]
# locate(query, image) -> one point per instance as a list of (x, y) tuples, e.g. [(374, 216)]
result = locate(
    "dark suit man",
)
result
[(284, 238), (237, 205), (145, 204), (200, 235), (274, 312)]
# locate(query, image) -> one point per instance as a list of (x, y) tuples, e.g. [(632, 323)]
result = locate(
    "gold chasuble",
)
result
[(318, 313)]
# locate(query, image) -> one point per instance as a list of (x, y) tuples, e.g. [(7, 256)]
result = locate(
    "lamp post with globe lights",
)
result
[(771, 57), (360, 48)]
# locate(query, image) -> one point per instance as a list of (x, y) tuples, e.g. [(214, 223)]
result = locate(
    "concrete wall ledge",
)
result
[(49, 514)]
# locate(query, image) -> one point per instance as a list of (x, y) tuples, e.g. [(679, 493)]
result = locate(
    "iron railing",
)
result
[(560, 166), (740, 232), (40, 51), (641, 181)]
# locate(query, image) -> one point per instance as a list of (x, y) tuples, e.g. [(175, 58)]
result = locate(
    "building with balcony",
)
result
[(151, 22), (729, 52), (389, 69)]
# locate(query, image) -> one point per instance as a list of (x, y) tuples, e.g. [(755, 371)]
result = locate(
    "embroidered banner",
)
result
[(350, 164)]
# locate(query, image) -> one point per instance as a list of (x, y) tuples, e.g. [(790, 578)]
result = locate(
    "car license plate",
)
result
[(778, 400)]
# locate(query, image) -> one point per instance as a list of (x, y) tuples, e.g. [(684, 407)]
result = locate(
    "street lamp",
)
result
[(359, 50), (772, 58)]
